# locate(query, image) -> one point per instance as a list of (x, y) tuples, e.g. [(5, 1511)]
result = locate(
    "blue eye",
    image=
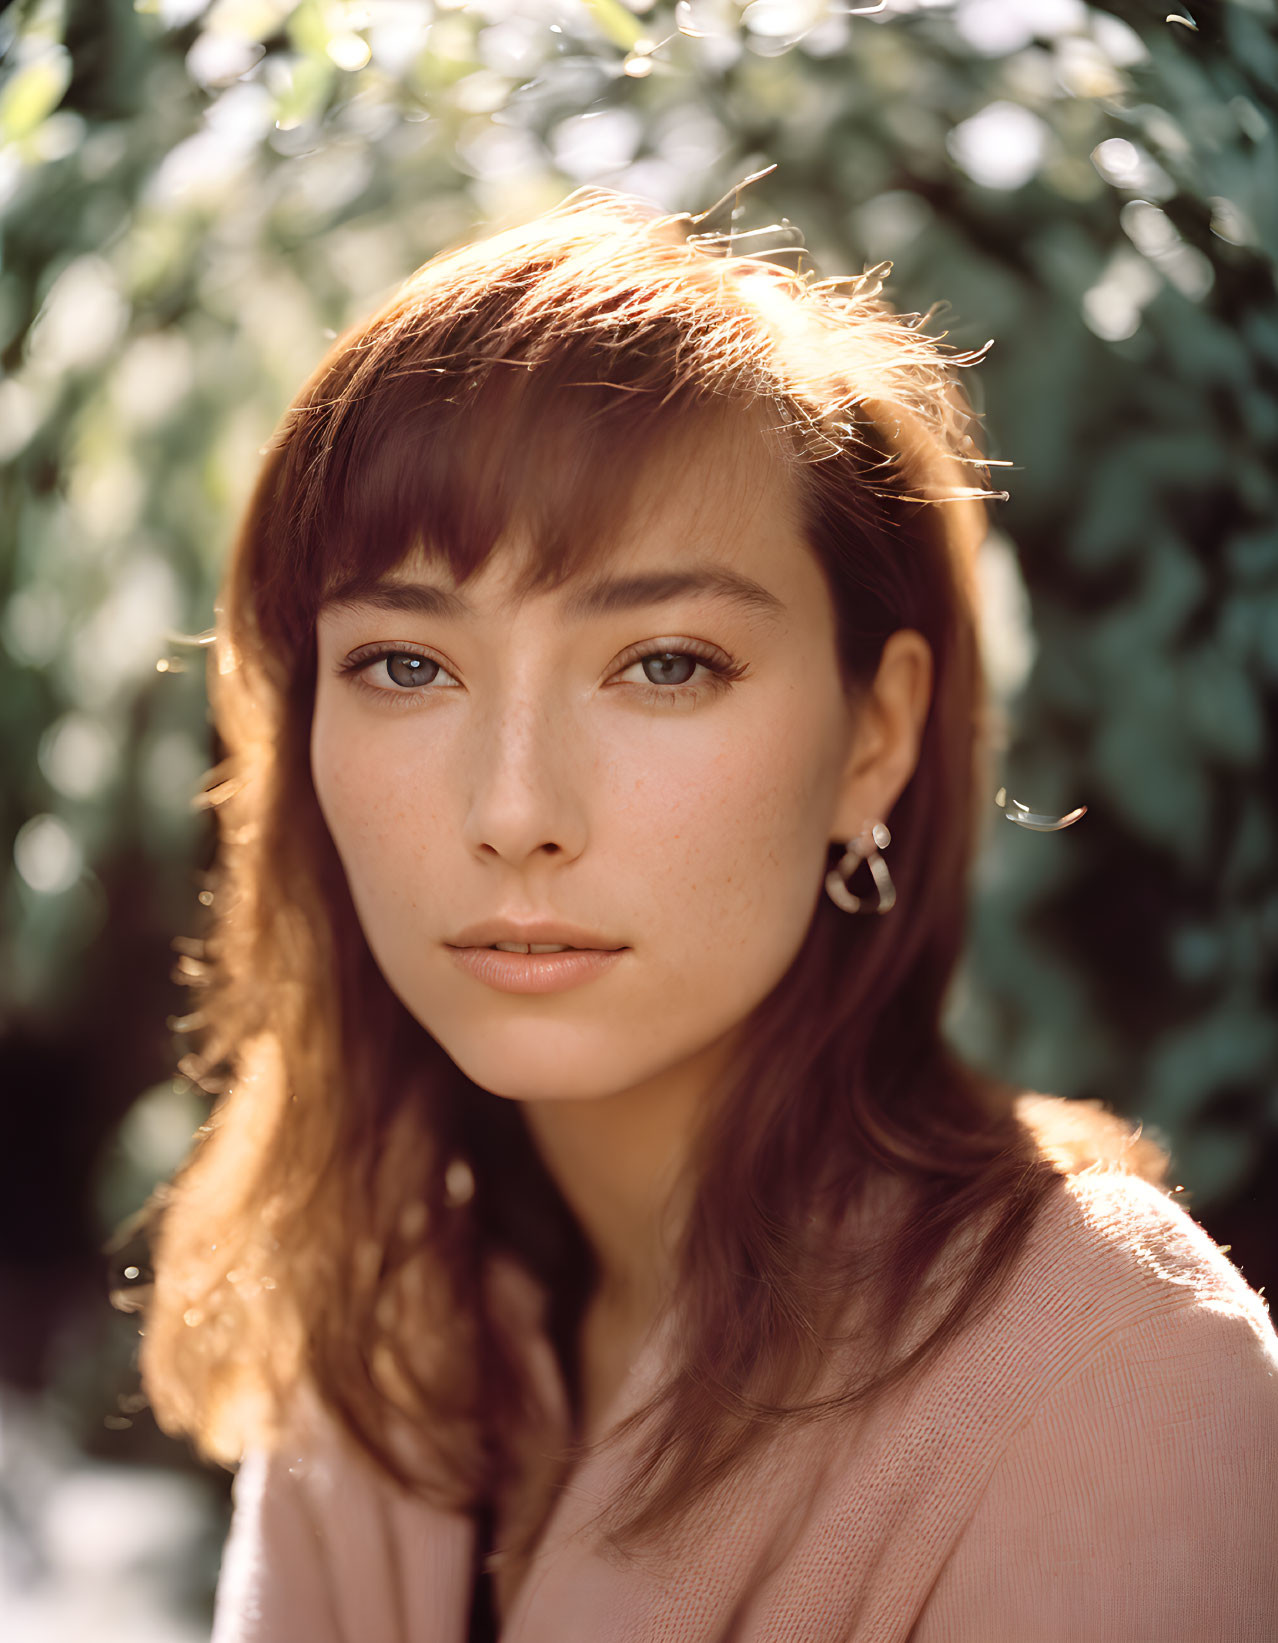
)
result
[(409, 672), (684, 661), (665, 658), (406, 668), (670, 673)]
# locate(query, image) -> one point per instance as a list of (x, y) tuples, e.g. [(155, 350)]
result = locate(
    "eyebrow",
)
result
[(605, 597)]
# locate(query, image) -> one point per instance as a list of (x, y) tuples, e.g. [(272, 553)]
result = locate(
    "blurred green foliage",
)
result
[(196, 195)]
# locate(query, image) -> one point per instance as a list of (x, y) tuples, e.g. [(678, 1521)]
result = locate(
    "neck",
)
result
[(619, 1162)]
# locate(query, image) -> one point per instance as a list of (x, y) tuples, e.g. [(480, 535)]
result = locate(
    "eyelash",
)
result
[(723, 672)]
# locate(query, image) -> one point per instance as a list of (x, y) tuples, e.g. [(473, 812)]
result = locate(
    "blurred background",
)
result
[(196, 195)]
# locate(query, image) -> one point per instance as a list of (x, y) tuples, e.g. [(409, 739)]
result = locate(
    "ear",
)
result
[(886, 733)]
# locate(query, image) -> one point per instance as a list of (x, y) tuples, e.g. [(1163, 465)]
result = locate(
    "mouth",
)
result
[(534, 967), (542, 947), (513, 934)]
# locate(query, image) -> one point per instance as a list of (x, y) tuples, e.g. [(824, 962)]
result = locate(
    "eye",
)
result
[(400, 674), (395, 671), (669, 672), (665, 664)]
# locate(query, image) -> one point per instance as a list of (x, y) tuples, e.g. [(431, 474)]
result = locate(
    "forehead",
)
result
[(709, 510)]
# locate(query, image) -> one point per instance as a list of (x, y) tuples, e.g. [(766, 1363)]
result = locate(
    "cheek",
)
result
[(703, 843), (721, 833), (380, 812), (730, 838)]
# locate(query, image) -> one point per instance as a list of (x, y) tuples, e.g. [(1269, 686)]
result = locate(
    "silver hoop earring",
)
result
[(836, 880)]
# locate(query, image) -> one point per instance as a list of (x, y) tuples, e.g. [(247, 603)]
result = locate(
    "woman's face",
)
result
[(526, 763)]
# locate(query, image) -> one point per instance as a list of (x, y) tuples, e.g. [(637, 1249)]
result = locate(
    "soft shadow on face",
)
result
[(524, 762)]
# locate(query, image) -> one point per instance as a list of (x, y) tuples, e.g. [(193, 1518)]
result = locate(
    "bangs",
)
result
[(557, 461), (554, 455), (528, 383)]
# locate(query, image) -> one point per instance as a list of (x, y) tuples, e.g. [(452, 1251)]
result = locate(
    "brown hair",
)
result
[(317, 1234)]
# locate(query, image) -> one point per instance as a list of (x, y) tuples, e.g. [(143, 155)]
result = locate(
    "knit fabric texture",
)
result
[(1096, 1461)]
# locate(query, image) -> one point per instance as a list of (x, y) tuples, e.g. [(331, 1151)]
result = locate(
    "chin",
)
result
[(527, 1062)]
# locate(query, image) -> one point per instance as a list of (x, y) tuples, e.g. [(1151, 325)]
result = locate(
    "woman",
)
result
[(606, 592)]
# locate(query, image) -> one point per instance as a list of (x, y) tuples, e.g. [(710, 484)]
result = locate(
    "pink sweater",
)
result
[(1095, 1462)]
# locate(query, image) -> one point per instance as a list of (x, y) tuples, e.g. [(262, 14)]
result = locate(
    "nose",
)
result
[(524, 796)]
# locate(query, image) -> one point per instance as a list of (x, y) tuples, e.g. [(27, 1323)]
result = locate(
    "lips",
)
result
[(535, 972), (534, 933)]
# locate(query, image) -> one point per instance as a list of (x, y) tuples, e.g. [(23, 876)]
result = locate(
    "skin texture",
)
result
[(538, 775)]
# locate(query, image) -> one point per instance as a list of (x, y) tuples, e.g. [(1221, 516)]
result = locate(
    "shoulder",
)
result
[(1112, 1243), (1114, 1279), (1115, 1249), (1133, 1493), (324, 1547), (1168, 1331)]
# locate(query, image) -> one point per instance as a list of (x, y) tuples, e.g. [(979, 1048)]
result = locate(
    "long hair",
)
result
[(332, 1226)]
